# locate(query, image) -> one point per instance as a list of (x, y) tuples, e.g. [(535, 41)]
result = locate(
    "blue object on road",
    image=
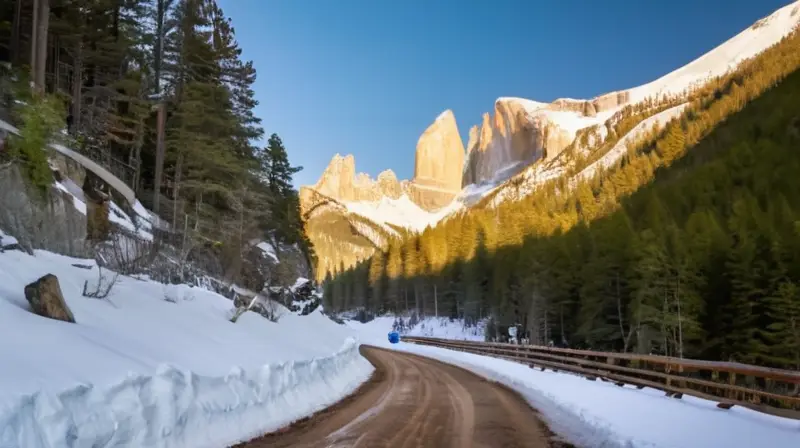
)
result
[(394, 337)]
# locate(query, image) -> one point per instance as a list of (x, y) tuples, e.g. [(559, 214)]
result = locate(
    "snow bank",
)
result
[(156, 365), (178, 407), (598, 414), (433, 327)]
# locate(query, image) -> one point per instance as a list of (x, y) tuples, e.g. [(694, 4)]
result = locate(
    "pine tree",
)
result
[(394, 273), (376, 279)]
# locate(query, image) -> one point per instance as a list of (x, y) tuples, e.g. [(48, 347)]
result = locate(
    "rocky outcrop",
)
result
[(520, 133), (30, 216), (437, 173), (98, 224), (388, 185), (46, 299), (473, 140), (440, 155), (342, 238), (339, 181), (523, 131)]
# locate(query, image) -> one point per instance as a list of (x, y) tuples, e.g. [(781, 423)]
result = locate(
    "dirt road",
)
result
[(413, 401)]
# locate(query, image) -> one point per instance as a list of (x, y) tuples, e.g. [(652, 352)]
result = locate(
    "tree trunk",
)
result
[(159, 44), (15, 49), (546, 328), (435, 302), (160, 133), (34, 41), (416, 297), (43, 23), (621, 325), (680, 325), (177, 188), (77, 88)]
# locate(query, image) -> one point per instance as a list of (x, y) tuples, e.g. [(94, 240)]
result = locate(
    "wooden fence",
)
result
[(768, 390)]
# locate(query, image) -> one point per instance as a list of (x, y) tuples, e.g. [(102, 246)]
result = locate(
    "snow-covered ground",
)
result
[(402, 212), (160, 366), (658, 120), (432, 327), (157, 366)]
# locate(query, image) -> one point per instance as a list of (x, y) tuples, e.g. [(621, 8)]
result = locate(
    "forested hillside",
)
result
[(688, 246), (102, 70)]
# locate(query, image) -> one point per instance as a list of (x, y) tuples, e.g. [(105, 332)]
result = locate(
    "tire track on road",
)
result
[(412, 401)]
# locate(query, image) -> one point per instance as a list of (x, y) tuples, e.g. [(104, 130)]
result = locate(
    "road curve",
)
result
[(413, 401)]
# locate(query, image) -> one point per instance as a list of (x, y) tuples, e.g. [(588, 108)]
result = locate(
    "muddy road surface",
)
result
[(412, 401)]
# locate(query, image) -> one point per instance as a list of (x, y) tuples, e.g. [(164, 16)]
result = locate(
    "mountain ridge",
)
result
[(526, 142)]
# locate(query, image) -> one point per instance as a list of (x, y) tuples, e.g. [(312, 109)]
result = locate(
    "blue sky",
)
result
[(368, 76)]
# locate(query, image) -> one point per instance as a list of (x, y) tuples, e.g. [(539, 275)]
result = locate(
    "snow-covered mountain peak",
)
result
[(523, 131), (528, 140)]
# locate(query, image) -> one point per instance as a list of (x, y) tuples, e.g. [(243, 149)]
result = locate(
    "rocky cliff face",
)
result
[(342, 237), (519, 133), (523, 131), (438, 164), (339, 181), (437, 173)]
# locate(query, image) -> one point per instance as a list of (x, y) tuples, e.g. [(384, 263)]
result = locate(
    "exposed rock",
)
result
[(430, 199), (338, 178), (340, 182), (611, 100), (341, 238), (440, 155), (46, 299), (29, 216), (98, 224), (439, 161), (473, 139), (511, 137), (522, 132), (388, 185)]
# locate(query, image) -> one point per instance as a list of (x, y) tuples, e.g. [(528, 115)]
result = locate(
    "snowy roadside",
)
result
[(157, 366), (599, 414)]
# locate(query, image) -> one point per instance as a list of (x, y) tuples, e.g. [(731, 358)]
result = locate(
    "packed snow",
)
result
[(157, 366)]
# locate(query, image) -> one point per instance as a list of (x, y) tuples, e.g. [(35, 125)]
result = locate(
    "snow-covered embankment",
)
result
[(156, 366)]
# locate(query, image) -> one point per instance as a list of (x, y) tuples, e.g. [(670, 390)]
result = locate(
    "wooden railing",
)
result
[(768, 390)]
